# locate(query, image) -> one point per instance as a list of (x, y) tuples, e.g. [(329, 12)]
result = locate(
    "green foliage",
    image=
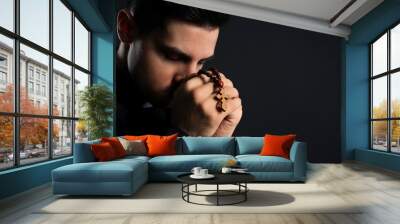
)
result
[(96, 103)]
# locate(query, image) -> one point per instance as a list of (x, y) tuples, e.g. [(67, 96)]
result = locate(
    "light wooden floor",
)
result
[(353, 182)]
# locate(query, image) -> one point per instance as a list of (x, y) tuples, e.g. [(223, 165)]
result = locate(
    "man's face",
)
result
[(159, 61)]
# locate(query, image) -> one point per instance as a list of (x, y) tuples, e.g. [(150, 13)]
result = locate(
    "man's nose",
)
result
[(188, 70), (191, 68)]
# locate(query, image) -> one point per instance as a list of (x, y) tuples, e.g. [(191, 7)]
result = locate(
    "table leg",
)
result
[(245, 193), (188, 189), (217, 194), (182, 189)]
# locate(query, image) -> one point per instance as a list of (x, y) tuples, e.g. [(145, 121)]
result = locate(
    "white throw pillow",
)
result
[(135, 147)]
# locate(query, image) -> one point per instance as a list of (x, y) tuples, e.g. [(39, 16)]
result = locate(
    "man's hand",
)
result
[(193, 108)]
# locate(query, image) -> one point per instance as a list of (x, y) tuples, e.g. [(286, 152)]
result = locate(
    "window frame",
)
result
[(16, 114), (388, 74)]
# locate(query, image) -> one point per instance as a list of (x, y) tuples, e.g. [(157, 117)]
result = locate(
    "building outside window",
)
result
[(43, 90), (59, 128), (38, 89), (385, 91), (43, 78), (30, 87), (3, 72), (30, 72), (55, 95), (3, 60), (3, 78), (37, 75), (3, 81)]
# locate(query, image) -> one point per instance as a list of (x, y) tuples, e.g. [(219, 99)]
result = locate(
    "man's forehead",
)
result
[(189, 38)]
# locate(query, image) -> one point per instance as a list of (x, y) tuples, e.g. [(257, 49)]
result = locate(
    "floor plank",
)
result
[(376, 189)]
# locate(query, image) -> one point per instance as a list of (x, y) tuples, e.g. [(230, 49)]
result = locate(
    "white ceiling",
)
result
[(320, 9), (314, 15)]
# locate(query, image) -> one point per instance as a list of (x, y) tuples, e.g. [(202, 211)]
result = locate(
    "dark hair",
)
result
[(151, 15)]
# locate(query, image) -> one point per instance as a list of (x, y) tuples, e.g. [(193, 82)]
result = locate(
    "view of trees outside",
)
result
[(33, 137), (6, 141), (62, 143), (379, 128), (382, 128), (81, 131), (34, 81)]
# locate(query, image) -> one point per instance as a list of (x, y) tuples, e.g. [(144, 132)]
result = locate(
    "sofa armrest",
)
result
[(298, 155), (83, 152)]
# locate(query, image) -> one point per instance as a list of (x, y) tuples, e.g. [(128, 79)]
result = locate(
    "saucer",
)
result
[(208, 176)]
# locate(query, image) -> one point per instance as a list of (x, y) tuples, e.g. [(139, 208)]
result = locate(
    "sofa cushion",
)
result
[(116, 145), (103, 152), (249, 145), (83, 152), (208, 145), (277, 145), (161, 145), (185, 163), (133, 147), (257, 163)]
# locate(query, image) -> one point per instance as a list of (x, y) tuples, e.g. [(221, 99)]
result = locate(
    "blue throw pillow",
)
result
[(208, 145), (249, 145)]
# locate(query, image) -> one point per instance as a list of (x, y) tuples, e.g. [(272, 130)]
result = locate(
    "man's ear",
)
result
[(126, 28)]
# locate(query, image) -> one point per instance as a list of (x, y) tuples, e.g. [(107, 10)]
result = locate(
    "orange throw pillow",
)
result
[(116, 145), (277, 145), (103, 151), (161, 145), (134, 137)]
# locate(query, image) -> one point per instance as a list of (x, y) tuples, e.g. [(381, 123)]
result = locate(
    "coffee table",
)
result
[(238, 179)]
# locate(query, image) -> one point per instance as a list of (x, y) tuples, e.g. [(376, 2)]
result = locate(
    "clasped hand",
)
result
[(193, 107)]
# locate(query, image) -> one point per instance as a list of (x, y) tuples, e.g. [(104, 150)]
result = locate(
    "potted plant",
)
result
[(96, 102)]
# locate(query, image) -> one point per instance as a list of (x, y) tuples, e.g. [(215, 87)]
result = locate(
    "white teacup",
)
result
[(196, 170), (226, 170), (203, 172)]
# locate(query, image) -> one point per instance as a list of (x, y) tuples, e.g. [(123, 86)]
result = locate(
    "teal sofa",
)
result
[(125, 176)]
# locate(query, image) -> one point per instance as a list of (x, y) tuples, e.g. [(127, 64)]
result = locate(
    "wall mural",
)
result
[(203, 73)]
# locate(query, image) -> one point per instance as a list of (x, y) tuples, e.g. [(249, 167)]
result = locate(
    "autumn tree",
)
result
[(380, 127), (33, 131), (6, 122)]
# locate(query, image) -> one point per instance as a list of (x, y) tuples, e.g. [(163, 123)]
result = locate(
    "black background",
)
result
[(288, 80)]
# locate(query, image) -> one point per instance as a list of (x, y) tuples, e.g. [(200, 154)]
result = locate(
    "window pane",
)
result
[(6, 142), (35, 21), (379, 97), (7, 14), (395, 47), (6, 74), (395, 136), (34, 78), (379, 135), (62, 138), (62, 89), (81, 45), (81, 81), (379, 55), (395, 94), (33, 140), (62, 29), (81, 131)]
